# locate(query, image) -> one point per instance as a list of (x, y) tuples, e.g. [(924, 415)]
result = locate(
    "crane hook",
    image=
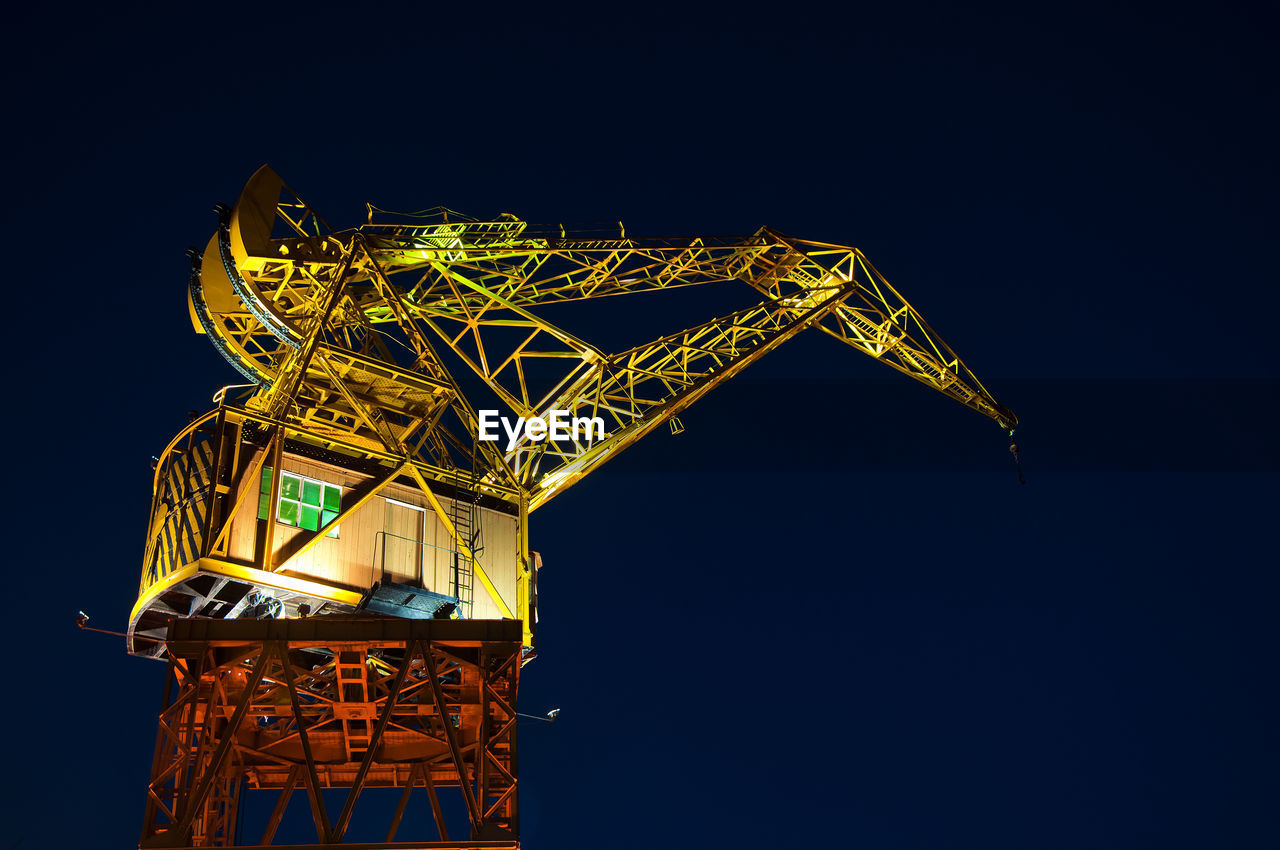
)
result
[(1013, 449)]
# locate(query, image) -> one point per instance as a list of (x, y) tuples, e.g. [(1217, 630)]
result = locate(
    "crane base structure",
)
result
[(306, 705)]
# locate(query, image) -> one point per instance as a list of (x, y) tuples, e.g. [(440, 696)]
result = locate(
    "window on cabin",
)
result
[(304, 502)]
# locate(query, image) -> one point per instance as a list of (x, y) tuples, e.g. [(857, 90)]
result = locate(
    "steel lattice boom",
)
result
[(309, 327)]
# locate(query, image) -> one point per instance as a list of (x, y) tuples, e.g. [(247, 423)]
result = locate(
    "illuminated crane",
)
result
[(316, 541)]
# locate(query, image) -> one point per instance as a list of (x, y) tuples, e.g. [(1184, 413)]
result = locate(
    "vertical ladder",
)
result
[(465, 515), (352, 675), (217, 827)]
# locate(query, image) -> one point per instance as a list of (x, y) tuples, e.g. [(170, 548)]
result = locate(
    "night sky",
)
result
[(827, 611)]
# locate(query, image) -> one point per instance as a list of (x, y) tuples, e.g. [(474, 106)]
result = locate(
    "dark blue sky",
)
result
[(1080, 200)]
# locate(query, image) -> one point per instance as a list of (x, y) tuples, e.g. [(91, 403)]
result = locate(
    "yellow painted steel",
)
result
[(262, 578), (342, 333), (468, 285)]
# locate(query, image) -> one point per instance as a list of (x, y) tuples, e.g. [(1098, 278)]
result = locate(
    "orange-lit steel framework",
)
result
[(310, 704), (340, 333)]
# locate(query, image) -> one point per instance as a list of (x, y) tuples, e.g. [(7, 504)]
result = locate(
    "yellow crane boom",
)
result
[(306, 313)]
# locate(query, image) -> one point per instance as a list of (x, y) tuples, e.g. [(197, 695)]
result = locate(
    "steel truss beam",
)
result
[(475, 288), (278, 705)]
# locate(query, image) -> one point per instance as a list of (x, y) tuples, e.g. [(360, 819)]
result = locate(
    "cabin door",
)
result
[(402, 550)]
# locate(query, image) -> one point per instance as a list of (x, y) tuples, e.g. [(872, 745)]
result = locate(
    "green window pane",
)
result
[(332, 498), (325, 518), (310, 493), (310, 518), (289, 486), (264, 508), (266, 480), (289, 512)]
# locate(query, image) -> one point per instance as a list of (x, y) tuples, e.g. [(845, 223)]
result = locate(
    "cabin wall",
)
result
[(396, 530)]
